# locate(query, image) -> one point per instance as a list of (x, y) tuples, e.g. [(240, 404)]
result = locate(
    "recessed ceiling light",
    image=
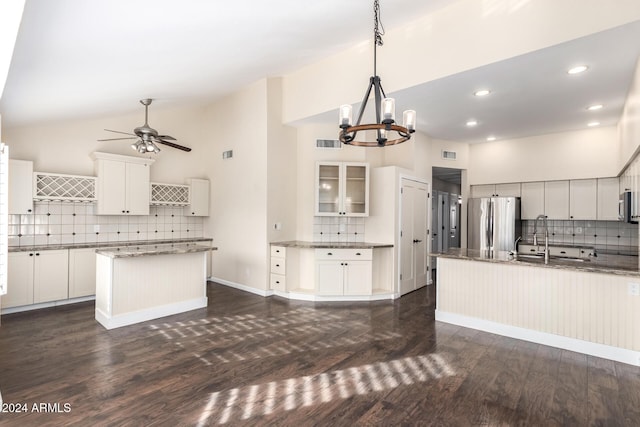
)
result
[(491, 138), (578, 69), (472, 123), (482, 92), (592, 124), (595, 107)]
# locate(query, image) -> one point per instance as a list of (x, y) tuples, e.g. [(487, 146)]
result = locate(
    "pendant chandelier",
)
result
[(385, 125)]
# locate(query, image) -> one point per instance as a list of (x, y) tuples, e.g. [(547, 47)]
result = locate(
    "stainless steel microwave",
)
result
[(624, 208)]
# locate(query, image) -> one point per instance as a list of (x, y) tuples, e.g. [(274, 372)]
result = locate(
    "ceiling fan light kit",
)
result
[(148, 138), (384, 108)]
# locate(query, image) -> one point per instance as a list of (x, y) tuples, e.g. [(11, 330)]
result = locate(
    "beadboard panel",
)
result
[(586, 306)]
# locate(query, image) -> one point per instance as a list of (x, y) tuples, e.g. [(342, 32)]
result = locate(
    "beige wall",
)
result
[(629, 125), (462, 36), (591, 153)]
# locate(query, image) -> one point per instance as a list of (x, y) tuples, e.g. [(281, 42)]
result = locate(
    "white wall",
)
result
[(238, 218), (592, 153), (64, 147), (465, 35), (629, 125)]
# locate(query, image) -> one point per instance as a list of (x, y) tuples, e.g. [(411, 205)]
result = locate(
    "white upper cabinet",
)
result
[(532, 200), (123, 184), (583, 199), (496, 190), (20, 187), (342, 189), (608, 198), (198, 198), (556, 199)]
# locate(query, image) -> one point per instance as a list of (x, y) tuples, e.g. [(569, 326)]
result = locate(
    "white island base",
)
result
[(139, 288)]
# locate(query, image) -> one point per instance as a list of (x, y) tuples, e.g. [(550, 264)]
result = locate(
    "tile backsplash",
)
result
[(612, 236), (65, 223), (338, 229)]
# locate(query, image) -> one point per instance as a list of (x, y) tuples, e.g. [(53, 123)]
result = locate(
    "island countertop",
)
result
[(624, 265), (330, 245), (158, 249)]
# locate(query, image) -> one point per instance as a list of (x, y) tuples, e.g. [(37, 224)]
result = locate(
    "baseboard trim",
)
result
[(241, 287), (618, 354), (46, 304), (118, 321)]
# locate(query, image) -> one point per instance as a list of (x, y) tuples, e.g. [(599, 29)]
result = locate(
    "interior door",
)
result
[(414, 269)]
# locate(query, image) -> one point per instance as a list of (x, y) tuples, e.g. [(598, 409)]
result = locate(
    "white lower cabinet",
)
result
[(278, 268), (343, 272), (82, 272), (37, 277)]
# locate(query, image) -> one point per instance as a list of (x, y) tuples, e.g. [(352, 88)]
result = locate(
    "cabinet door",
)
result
[(358, 278), (198, 198), (556, 199), (82, 272), (583, 199), (508, 190), (20, 187), (20, 280), (532, 200), (328, 189), (51, 276), (608, 198), (484, 190), (356, 189), (111, 187), (330, 277), (137, 195)]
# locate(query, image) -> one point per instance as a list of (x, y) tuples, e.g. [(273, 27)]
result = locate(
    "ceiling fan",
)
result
[(146, 136)]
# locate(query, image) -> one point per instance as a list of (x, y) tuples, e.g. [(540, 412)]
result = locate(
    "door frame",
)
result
[(402, 177)]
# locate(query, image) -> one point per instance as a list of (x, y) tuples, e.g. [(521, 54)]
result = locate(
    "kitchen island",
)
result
[(139, 283), (586, 306)]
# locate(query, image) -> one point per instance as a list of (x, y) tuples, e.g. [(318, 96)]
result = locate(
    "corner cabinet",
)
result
[(123, 186), (343, 272), (342, 189), (198, 198)]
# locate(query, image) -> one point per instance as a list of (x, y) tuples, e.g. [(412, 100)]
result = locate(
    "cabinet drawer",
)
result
[(278, 282), (279, 251), (344, 254), (565, 252), (278, 265)]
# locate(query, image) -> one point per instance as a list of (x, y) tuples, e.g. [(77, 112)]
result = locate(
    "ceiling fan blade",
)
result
[(171, 144), (117, 139), (117, 131), (166, 137)]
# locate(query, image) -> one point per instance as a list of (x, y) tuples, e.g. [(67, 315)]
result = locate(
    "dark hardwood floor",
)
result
[(248, 360)]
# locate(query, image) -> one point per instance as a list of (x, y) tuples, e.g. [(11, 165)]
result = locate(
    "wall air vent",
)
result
[(328, 143), (448, 155), (227, 154)]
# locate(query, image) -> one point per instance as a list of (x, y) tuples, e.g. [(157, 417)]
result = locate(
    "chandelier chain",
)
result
[(377, 21)]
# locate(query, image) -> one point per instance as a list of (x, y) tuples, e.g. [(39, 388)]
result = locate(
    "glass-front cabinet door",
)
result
[(328, 189), (342, 189), (355, 190)]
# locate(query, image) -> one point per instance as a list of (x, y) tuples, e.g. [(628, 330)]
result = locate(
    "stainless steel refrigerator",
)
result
[(493, 223)]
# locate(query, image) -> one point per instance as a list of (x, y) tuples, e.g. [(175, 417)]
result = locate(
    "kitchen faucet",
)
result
[(546, 236)]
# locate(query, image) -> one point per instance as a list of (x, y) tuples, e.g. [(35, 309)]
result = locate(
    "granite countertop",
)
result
[(330, 245), (156, 249), (105, 244), (625, 265)]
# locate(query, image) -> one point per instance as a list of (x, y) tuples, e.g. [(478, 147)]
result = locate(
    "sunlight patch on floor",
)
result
[(286, 395)]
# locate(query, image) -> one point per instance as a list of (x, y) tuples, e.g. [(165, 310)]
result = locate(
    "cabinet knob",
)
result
[(329, 253), (278, 282), (28, 210), (123, 211), (37, 254), (30, 254), (127, 211), (277, 265), (358, 253), (193, 213)]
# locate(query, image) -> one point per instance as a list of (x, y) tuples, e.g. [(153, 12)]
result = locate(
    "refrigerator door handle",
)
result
[(490, 227)]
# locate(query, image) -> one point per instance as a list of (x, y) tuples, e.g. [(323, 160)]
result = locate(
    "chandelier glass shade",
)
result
[(387, 131)]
